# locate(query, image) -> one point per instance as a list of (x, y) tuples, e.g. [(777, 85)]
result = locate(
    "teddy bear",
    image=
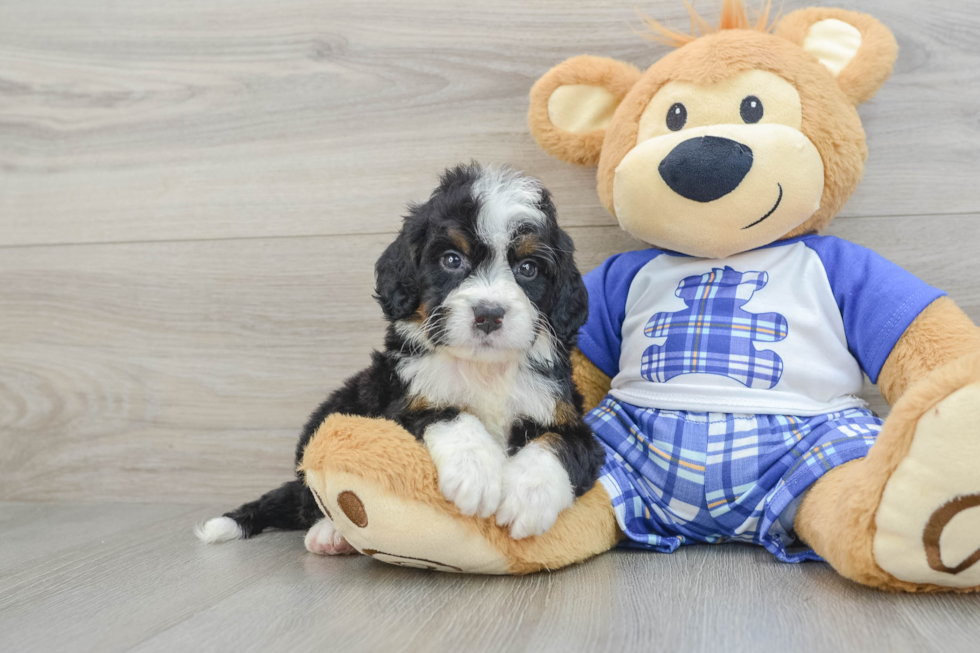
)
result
[(721, 365)]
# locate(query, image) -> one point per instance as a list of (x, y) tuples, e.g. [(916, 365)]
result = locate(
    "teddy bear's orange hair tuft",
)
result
[(733, 16)]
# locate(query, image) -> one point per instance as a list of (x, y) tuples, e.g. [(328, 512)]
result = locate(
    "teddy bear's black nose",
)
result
[(706, 168)]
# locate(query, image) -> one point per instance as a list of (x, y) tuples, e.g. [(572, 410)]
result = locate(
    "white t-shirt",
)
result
[(785, 329)]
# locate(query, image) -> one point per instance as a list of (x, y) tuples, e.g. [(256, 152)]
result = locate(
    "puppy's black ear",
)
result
[(571, 308), (397, 286)]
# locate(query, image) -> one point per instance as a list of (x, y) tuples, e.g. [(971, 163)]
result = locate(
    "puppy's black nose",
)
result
[(706, 168), (488, 317)]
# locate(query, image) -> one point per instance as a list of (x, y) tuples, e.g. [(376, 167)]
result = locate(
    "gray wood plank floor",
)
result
[(107, 577), (192, 196)]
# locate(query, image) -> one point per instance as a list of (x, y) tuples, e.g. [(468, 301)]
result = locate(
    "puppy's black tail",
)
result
[(290, 507)]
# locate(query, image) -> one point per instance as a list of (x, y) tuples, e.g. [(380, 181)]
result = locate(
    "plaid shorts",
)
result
[(678, 477)]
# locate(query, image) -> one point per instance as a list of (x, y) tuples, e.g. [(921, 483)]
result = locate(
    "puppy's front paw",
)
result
[(323, 539), (469, 462), (536, 489)]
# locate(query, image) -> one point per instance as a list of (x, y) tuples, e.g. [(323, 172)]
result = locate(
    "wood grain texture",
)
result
[(246, 118), (182, 371), (135, 579)]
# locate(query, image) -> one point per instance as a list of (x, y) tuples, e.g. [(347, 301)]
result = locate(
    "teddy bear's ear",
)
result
[(571, 106), (857, 49)]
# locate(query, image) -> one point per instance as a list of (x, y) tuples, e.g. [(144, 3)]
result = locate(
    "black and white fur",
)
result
[(483, 302)]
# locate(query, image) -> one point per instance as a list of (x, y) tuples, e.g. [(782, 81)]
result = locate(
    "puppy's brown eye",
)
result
[(452, 261), (527, 269), (751, 109), (676, 116)]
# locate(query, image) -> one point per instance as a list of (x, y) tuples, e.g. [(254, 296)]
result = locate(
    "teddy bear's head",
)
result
[(738, 138)]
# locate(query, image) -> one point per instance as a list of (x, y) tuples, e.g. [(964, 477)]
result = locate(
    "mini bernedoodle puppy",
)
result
[(484, 303)]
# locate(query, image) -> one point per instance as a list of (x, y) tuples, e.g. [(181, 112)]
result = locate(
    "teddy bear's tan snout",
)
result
[(715, 190)]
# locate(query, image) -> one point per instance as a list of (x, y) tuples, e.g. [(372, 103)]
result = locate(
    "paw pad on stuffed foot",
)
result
[(928, 521)]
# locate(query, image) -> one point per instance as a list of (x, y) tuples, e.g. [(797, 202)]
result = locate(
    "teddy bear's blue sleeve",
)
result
[(878, 300), (609, 284)]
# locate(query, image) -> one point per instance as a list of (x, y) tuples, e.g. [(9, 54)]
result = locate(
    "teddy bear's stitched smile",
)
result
[(772, 210)]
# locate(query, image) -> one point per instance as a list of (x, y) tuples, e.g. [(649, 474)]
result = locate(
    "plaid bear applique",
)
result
[(714, 335)]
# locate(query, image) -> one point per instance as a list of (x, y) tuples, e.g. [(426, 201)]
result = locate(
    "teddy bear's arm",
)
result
[(590, 381), (940, 334)]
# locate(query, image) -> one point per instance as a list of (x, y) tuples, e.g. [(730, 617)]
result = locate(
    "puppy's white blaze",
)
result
[(469, 463), (506, 198), (218, 529), (536, 489), (492, 284)]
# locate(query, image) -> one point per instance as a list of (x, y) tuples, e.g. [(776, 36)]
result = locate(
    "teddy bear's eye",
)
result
[(751, 109), (676, 116)]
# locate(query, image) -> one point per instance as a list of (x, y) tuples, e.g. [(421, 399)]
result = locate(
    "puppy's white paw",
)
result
[(536, 489), (218, 529), (323, 539), (470, 464)]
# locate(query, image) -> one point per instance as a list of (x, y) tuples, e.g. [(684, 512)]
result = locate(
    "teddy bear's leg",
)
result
[(907, 516), (379, 488)]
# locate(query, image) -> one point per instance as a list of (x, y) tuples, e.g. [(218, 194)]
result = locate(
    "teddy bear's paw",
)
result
[(469, 463), (536, 488), (928, 521), (323, 539)]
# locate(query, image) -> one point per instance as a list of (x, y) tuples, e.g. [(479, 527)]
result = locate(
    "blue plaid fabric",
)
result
[(678, 477), (714, 335)]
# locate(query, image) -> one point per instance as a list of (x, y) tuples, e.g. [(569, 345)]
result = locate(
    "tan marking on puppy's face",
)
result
[(460, 240), (421, 314), (719, 168), (527, 245), (565, 413), (419, 404)]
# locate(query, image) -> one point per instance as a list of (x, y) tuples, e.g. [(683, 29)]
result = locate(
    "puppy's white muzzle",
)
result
[(489, 316)]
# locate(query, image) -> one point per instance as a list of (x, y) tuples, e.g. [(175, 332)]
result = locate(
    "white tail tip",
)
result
[(218, 529)]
